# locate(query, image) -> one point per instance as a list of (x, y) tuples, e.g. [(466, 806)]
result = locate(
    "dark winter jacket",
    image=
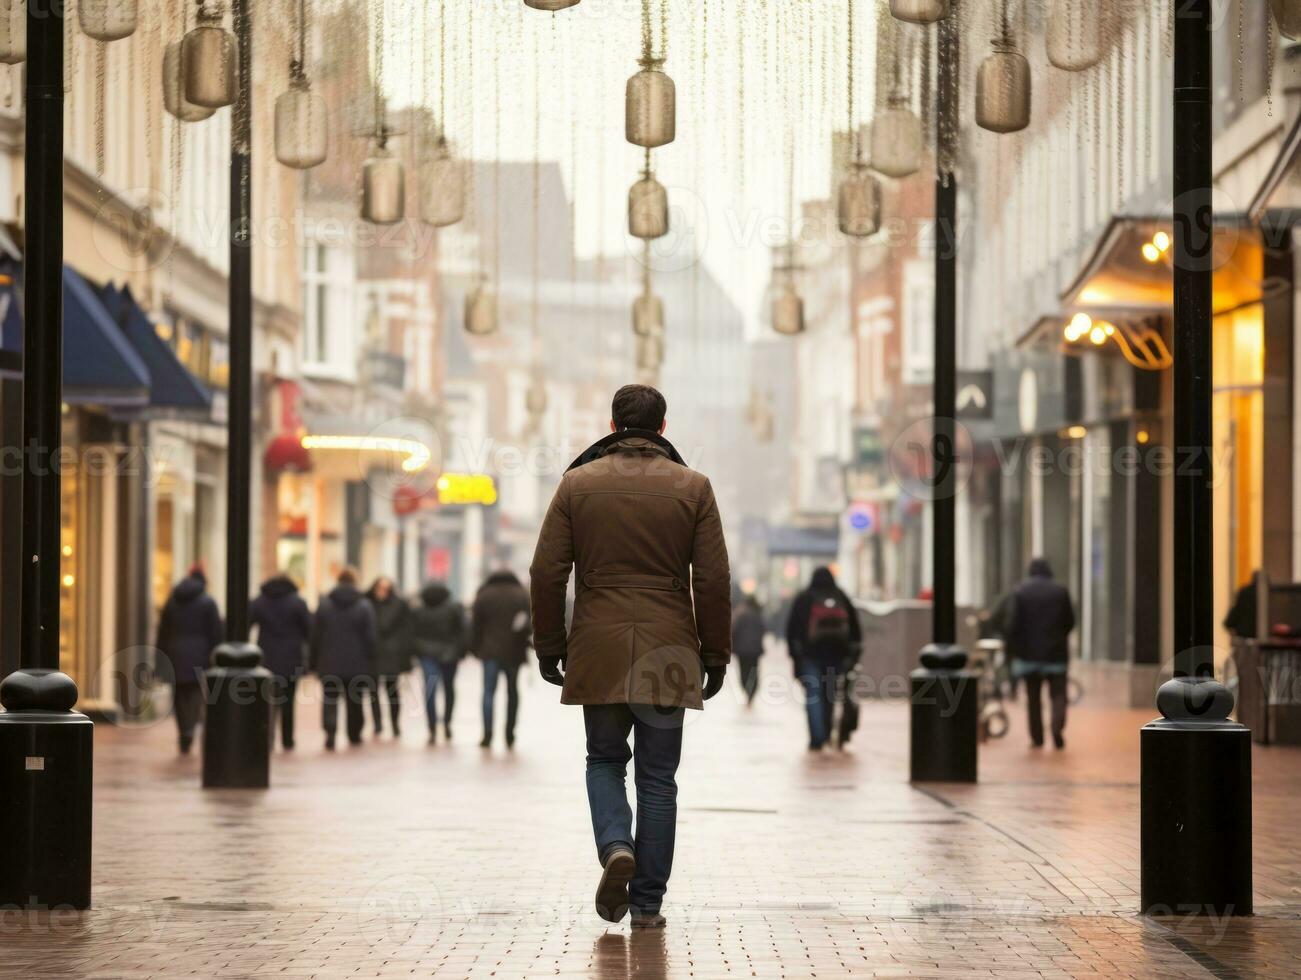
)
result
[(189, 627), (822, 590), (1241, 619), (501, 628), (284, 625), (1040, 617), (392, 634), (438, 626), (343, 634), (747, 630)]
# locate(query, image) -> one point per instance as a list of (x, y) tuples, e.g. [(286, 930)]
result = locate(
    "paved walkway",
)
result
[(399, 860)]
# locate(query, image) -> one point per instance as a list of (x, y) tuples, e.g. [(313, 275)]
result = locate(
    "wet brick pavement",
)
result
[(400, 860)]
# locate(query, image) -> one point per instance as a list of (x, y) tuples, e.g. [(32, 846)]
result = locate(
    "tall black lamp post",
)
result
[(237, 734), (1196, 764), (943, 711), (45, 746)]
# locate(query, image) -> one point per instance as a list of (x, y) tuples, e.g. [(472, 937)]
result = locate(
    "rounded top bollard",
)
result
[(1201, 699), (943, 656), (237, 655), (38, 689)]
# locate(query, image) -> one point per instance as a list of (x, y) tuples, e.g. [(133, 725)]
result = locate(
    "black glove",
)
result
[(714, 680), (549, 668)]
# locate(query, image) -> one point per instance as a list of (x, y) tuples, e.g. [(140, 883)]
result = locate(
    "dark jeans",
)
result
[(187, 703), (1034, 702), (657, 741), (821, 688), (436, 671), (283, 695), (749, 673), (491, 671), (389, 685), (352, 691)]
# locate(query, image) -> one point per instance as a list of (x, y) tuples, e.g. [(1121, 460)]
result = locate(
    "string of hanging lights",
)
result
[(858, 205), (383, 176), (209, 59), (107, 20), (174, 101), (301, 126), (442, 198)]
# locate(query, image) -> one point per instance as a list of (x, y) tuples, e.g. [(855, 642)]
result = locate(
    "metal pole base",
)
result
[(943, 717), (1196, 804), (46, 768), (237, 730)]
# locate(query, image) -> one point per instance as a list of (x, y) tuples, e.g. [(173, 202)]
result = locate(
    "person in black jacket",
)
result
[(343, 654), (824, 640), (438, 640), (501, 632), (1039, 621), (189, 627), (392, 650), (747, 643), (284, 625)]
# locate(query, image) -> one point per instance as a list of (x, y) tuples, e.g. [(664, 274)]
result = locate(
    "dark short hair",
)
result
[(638, 407)]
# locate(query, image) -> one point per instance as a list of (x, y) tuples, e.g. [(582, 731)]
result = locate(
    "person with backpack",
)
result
[(824, 639)]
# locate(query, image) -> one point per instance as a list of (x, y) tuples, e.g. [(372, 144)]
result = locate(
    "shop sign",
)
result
[(869, 450), (467, 488)]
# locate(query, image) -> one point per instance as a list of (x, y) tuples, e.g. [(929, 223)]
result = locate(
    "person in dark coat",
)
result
[(284, 625), (189, 627), (1039, 621), (824, 640), (1241, 619), (438, 641), (343, 655), (747, 643), (392, 650), (501, 630)]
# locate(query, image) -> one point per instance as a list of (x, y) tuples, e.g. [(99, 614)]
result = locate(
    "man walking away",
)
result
[(824, 640), (651, 626), (438, 638), (284, 625), (1040, 617), (189, 628), (747, 644), (500, 634), (342, 654), (392, 651)]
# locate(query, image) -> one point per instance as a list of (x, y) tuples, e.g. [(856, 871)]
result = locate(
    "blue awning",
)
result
[(100, 366), (173, 390)]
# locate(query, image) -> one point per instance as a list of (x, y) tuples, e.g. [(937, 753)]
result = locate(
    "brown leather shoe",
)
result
[(612, 892), (655, 921)]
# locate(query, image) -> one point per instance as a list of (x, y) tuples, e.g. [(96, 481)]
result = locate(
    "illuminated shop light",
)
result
[(417, 453)]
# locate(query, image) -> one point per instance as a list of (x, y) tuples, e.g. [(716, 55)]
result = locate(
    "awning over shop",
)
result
[(172, 388)]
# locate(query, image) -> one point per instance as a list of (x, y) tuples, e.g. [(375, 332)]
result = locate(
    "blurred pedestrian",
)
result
[(651, 635), (284, 625), (392, 651), (747, 643), (824, 640), (1242, 615), (438, 638), (500, 635), (1038, 622), (343, 655), (189, 628)]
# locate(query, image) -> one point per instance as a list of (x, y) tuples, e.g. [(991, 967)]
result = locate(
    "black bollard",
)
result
[(237, 729), (944, 717), (46, 751), (1196, 803)]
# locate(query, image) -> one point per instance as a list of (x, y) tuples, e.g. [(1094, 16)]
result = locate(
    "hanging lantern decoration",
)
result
[(896, 139), (302, 129), (1073, 34), (551, 4), (788, 311), (1287, 13), (210, 60), (442, 193), (481, 311), (858, 206), (650, 106), (107, 20), (650, 351), (647, 314), (13, 32), (535, 399), (383, 186), (174, 100), (919, 11), (648, 208), (1003, 89)]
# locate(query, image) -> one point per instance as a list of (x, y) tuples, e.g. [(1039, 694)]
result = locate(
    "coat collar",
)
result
[(629, 440)]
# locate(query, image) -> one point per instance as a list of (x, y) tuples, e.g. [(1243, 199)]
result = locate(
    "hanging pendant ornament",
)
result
[(174, 100), (1287, 14), (650, 351), (858, 205), (648, 207), (897, 139), (551, 5), (1073, 34), (647, 314), (210, 60), (919, 11), (302, 129), (650, 98), (1003, 89), (788, 311), (106, 20), (13, 32), (481, 310), (442, 199), (383, 185)]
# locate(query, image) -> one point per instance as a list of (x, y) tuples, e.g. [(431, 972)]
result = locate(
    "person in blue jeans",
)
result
[(438, 638), (651, 635), (824, 639), (500, 636)]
